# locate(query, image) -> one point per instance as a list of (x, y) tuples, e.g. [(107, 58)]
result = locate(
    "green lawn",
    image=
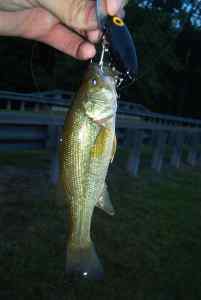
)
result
[(151, 248)]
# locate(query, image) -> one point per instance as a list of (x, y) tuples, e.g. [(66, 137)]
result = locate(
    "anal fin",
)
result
[(104, 202)]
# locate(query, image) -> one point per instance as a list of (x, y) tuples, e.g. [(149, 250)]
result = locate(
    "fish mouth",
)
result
[(104, 73)]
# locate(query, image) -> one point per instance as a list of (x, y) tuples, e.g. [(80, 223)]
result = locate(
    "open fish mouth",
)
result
[(105, 74)]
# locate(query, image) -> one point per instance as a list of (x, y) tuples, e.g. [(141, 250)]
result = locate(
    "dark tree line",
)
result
[(167, 35), (168, 38)]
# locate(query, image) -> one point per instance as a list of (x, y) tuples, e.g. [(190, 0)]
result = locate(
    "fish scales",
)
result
[(86, 150)]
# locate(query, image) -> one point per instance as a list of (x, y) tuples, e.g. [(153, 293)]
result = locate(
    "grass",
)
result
[(150, 249)]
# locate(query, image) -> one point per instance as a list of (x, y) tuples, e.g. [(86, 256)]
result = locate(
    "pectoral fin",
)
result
[(114, 148), (104, 202), (98, 148)]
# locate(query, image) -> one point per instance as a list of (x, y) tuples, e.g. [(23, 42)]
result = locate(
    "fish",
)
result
[(87, 147)]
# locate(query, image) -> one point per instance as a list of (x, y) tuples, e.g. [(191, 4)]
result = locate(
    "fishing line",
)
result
[(36, 81), (34, 78), (50, 112)]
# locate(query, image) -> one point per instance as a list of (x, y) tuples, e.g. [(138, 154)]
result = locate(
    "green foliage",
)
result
[(155, 43)]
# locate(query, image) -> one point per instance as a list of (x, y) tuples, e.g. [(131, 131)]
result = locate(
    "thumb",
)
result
[(77, 14), (114, 6)]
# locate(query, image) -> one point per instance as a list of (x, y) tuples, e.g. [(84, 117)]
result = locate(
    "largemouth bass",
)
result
[(87, 147)]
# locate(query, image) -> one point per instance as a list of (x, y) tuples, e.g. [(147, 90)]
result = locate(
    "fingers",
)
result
[(41, 25), (121, 13), (80, 14), (68, 42), (113, 7), (49, 31), (61, 38), (94, 35), (77, 14)]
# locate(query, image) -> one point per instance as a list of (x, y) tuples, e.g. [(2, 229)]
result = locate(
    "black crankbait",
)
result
[(119, 44)]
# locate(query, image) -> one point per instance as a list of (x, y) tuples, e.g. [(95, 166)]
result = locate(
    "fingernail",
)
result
[(114, 6), (88, 51), (121, 13), (94, 36)]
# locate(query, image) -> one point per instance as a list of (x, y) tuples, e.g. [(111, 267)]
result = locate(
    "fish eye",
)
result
[(93, 81)]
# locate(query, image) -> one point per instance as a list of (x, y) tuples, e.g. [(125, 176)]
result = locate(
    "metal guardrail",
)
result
[(37, 130), (48, 119), (59, 98), (56, 97)]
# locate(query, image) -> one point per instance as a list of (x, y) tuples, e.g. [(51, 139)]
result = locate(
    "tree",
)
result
[(167, 36), (155, 42), (32, 66)]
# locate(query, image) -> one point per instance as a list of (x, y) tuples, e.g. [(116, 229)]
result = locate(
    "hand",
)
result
[(67, 25)]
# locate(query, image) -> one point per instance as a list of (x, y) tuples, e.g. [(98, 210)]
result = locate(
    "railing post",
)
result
[(36, 107), (22, 106), (8, 105), (193, 152), (175, 159), (136, 141), (53, 146), (159, 149), (154, 136)]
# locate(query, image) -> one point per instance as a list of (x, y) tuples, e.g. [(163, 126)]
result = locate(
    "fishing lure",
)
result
[(118, 43)]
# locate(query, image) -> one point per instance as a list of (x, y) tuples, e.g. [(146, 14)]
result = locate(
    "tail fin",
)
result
[(83, 263)]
